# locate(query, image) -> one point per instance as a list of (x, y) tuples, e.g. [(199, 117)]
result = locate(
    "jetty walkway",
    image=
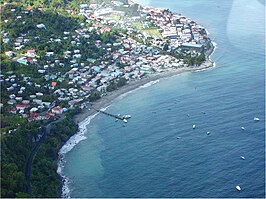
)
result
[(119, 117)]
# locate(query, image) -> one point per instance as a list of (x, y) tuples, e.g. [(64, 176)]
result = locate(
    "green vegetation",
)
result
[(15, 148), (116, 84), (194, 60), (45, 181)]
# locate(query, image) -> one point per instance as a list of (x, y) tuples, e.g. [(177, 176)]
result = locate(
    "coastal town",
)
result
[(59, 58), (153, 40)]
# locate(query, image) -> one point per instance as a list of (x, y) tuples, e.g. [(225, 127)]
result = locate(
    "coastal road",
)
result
[(34, 152)]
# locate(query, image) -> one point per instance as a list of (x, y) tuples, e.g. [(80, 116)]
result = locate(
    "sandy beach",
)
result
[(134, 84)]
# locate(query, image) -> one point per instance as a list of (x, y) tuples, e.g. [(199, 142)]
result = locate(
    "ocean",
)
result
[(144, 158)]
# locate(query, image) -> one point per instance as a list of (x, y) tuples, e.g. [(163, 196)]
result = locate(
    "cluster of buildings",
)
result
[(180, 30), (124, 58), (29, 105)]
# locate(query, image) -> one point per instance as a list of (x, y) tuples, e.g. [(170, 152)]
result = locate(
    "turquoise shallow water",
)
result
[(144, 158)]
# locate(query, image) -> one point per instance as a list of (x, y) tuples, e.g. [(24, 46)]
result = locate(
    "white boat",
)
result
[(127, 116), (208, 133), (178, 137), (116, 120), (194, 126), (238, 188), (243, 128), (256, 119), (242, 157), (124, 120)]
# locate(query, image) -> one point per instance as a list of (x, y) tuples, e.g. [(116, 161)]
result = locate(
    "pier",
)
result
[(123, 118)]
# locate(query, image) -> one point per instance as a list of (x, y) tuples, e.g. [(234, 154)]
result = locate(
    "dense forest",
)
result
[(15, 152)]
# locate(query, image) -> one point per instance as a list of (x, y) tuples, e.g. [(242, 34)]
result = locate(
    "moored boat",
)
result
[(256, 119), (127, 116), (238, 188)]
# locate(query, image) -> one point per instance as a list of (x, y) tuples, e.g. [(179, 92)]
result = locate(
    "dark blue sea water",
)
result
[(144, 158)]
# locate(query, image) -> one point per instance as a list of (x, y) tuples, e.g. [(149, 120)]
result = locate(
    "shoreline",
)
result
[(87, 114), (84, 118), (134, 84)]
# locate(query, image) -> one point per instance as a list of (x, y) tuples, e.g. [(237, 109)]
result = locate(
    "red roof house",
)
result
[(31, 53), (21, 106), (57, 110)]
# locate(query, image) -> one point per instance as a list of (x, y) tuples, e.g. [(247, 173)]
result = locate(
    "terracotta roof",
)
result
[(58, 108), (31, 51)]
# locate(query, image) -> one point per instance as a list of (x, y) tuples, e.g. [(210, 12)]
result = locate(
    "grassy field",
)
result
[(137, 25), (115, 17), (152, 32)]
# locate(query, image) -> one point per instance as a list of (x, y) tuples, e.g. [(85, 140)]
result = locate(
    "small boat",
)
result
[(116, 120), (188, 115), (243, 128), (242, 157), (256, 119), (203, 112), (238, 188), (208, 133), (127, 116), (124, 120), (178, 137), (194, 126)]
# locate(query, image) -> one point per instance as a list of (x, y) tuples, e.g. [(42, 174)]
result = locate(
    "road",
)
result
[(34, 152)]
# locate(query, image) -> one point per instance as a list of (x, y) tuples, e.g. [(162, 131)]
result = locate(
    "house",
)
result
[(41, 71), (37, 101), (31, 53), (192, 46), (57, 110), (6, 40), (54, 84), (21, 106), (34, 109), (41, 26), (29, 60), (105, 29), (33, 116), (22, 60), (84, 5), (47, 116), (9, 53), (13, 110), (49, 54)]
